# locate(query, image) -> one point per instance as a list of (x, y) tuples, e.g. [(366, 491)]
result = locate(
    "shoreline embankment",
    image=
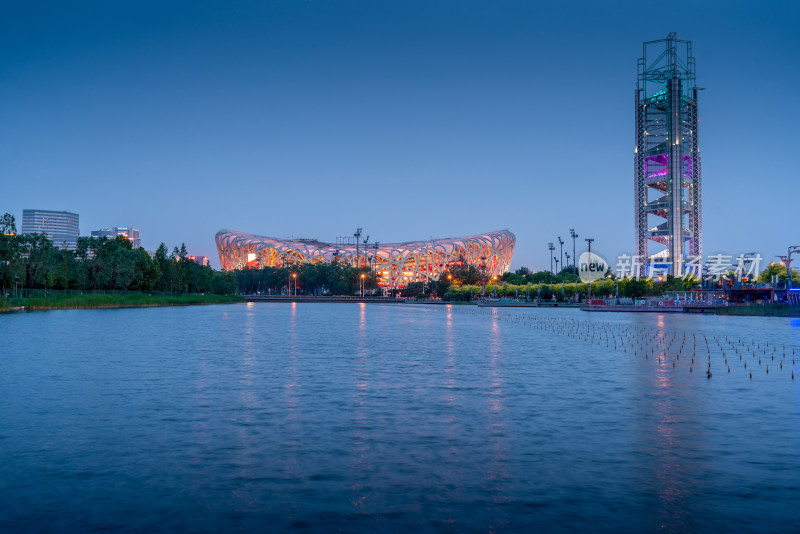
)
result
[(112, 301)]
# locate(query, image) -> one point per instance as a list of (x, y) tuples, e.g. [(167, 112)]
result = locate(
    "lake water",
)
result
[(375, 418)]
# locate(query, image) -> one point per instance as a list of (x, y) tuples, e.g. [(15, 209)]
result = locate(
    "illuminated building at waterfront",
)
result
[(396, 264)]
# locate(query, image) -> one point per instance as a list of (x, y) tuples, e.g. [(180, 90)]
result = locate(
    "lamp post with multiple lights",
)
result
[(574, 236)]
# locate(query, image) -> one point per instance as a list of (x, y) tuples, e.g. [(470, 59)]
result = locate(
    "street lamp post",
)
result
[(366, 255), (588, 240), (794, 249), (786, 261), (357, 235), (294, 277), (483, 276), (362, 285), (561, 246), (551, 248), (573, 235)]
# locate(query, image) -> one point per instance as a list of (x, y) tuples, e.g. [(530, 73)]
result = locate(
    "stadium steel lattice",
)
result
[(667, 156), (396, 264)]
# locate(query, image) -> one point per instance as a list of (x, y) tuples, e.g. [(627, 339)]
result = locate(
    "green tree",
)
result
[(780, 270), (147, 271), (10, 253), (443, 284), (223, 283), (636, 287), (166, 266), (40, 256), (545, 277)]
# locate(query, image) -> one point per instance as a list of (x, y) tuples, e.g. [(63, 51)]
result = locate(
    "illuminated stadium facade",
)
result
[(396, 264)]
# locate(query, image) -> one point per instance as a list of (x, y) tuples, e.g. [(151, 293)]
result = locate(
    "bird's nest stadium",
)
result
[(396, 264)]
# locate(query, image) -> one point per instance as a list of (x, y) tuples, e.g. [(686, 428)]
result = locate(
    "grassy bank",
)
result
[(764, 310), (131, 300)]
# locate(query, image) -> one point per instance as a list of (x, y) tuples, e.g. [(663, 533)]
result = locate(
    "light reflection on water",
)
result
[(360, 441), (373, 417)]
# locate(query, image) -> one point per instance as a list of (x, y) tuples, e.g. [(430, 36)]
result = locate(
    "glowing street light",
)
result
[(362, 285)]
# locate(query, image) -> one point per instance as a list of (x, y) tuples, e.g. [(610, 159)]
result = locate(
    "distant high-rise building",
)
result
[(60, 227), (129, 233), (669, 229)]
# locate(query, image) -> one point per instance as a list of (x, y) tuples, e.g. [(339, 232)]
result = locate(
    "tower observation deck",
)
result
[(667, 156)]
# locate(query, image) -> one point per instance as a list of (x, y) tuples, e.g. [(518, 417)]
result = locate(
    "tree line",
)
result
[(631, 288), (306, 279), (467, 284), (32, 261)]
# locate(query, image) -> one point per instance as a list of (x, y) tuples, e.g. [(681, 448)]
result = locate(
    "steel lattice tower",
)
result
[(667, 156)]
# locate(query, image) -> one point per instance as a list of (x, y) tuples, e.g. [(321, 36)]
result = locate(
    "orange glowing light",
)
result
[(394, 263)]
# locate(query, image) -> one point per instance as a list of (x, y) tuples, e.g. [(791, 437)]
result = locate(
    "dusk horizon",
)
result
[(450, 266), (413, 122)]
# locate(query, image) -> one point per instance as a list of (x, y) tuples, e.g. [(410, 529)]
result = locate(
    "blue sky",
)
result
[(410, 119)]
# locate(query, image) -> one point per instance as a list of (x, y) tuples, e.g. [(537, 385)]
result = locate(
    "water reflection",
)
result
[(390, 418), (450, 361), (497, 470), (669, 425), (360, 442), (292, 430)]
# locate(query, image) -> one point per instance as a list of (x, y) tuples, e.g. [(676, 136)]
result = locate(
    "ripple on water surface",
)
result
[(393, 417)]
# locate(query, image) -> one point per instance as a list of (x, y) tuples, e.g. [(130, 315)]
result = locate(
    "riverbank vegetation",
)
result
[(306, 279), (55, 300), (31, 261), (465, 284)]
